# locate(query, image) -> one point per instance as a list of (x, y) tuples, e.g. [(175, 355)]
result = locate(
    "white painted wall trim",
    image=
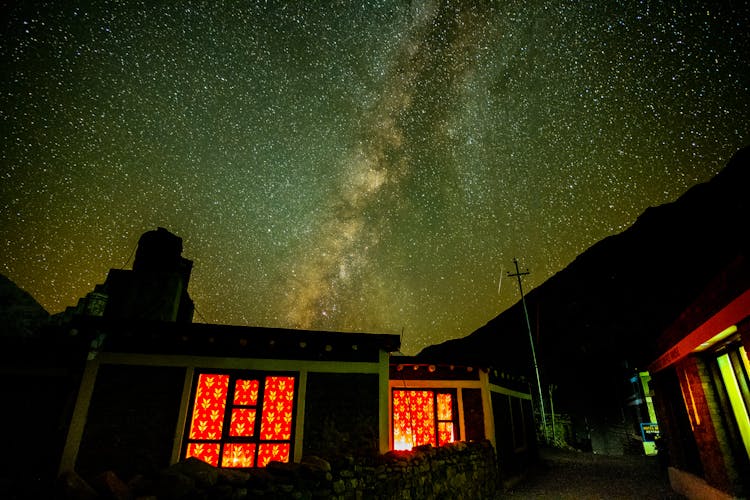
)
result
[(79, 417), (439, 384), (384, 403), (509, 392), (182, 416), (489, 415), (299, 418)]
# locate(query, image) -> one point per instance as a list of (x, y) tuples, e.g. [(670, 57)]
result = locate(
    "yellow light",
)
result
[(735, 399), (402, 444), (716, 338)]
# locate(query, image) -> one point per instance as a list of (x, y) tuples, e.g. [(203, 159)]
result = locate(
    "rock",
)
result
[(110, 486), (71, 486), (141, 485), (221, 492), (460, 446), (204, 475), (316, 463), (172, 485), (259, 479), (283, 469), (239, 494), (234, 477), (339, 487)]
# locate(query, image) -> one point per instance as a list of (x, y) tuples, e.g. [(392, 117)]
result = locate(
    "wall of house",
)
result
[(473, 414), (515, 433), (677, 445), (132, 410), (341, 414), (131, 420), (700, 446), (39, 381)]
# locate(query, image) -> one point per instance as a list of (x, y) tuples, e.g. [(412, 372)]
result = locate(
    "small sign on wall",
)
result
[(649, 431)]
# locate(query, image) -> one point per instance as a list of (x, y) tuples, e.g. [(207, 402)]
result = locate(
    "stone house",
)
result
[(157, 389), (154, 393)]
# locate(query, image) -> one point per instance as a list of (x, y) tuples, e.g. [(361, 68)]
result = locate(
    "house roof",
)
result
[(200, 339)]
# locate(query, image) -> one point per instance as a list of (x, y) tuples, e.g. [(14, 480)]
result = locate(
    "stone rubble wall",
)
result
[(459, 471)]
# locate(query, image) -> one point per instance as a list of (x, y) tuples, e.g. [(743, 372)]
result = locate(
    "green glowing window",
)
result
[(734, 368)]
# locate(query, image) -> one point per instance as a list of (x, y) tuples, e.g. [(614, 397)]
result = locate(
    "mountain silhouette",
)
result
[(21, 316), (599, 318)]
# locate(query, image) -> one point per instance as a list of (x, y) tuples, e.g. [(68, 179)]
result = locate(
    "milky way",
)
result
[(369, 166)]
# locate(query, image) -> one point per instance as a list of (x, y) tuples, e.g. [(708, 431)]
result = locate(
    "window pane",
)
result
[(208, 406), (246, 393), (445, 433), (208, 452), (735, 399), (445, 406), (238, 455), (243, 422), (268, 452), (278, 402)]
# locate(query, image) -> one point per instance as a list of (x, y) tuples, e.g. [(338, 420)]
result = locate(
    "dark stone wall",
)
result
[(459, 471), (131, 420), (341, 414)]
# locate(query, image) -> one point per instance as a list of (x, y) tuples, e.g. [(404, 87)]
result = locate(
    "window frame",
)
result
[(226, 437), (452, 391)]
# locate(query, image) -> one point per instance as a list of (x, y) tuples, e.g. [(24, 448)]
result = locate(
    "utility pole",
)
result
[(518, 275)]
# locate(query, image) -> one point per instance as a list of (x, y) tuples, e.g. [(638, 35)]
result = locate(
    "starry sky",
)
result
[(354, 166)]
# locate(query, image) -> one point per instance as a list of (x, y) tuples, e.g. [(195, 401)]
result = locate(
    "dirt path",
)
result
[(577, 475)]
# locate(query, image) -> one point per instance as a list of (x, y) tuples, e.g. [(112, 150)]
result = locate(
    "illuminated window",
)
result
[(224, 429), (418, 413), (734, 368)]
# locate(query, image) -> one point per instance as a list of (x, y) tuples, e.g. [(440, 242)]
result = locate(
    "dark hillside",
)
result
[(21, 315), (605, 310)]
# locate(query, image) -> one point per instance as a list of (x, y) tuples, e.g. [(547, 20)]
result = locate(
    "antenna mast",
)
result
[(518, 275)]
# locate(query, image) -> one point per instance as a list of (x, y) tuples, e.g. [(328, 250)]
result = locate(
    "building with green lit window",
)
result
[(700, 383)]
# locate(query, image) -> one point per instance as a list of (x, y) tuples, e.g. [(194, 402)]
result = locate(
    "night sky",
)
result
[(359, 166)]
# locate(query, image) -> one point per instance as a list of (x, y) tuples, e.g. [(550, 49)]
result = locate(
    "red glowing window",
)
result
[(246, 392), (208, 409), (273, 451), (241, 420), (238, 455), (421, 416)]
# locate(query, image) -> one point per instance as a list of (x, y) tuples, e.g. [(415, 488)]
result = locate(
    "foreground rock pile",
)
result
[(458, 471)]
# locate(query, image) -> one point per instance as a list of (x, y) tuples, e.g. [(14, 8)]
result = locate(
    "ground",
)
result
[(564, 474)]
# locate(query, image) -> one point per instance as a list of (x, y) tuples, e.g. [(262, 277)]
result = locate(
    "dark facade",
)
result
[(146, 397)]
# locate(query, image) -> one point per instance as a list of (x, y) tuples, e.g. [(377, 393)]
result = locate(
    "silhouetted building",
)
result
[(157, 287)]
